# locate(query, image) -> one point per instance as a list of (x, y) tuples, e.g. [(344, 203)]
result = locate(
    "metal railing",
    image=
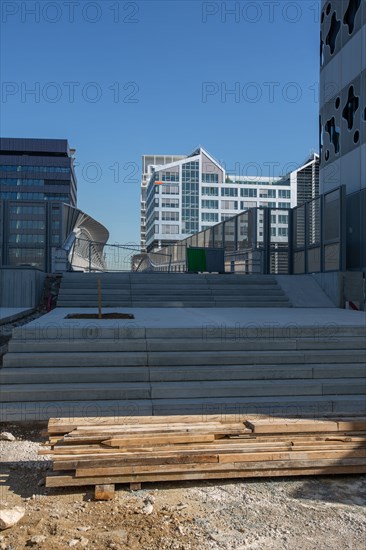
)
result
[(306, 239)]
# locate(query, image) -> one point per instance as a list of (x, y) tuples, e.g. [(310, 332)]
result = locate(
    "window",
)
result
[(283, 219), (282, 231), (247, 204), (273, 232), (50, 169), (13, 195), (169, 229), (21, 181), (225, 217), (27, 210), (27, 224), (210, 191), (229, 205), (170, 216), (209, 217), (273, 218), (169, 203), (267, 193), (284, 205), (170, 176), (210, 178), (284, 194), (26, 238), (210, 204), (229, 192), (170, 189), (248, 192), (56, 197)]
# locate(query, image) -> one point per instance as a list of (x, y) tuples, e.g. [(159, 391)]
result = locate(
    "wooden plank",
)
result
[(282, 462), (68, 424), (104, 492), (291, 426), (176, 456), (293, 455), (158, 440), (151, 460), (72, 481)]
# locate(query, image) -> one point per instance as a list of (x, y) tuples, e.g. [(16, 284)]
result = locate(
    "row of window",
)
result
[(233, 205), (230, 192), (47, 169), (210, 178), (37, 210), (172, 229), (168, 189), (27, 224), (13, 195), (26, 238), (279, 232), (170, 176), (31, 182)]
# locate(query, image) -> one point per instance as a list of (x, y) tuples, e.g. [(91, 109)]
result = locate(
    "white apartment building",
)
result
[(193, 193), (149, 164)]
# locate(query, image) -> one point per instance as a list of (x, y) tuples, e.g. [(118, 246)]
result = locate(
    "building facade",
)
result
[(305, 179), (194, 193), (343, 115), (38, 182), (149, 164)]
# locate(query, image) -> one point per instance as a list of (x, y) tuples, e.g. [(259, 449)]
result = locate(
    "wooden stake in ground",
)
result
[(99, 299)]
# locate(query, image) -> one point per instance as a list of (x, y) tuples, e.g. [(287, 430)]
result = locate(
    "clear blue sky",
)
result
[(122, 79)]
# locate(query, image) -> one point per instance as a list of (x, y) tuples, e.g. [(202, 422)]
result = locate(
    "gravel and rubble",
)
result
[(310, 513)]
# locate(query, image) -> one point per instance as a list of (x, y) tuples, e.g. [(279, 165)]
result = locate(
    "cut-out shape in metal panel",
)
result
[(351, 107), (333, 33), (334, 133), (350, 15)]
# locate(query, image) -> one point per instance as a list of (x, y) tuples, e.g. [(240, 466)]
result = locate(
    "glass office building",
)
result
[(37, 180)]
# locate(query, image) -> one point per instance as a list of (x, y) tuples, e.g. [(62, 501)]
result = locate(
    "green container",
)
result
[(196, 259)]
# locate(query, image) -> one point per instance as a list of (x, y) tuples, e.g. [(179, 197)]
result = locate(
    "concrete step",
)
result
[(84, 391), (254, 388), (201, 373), (176, 304), (230, 342), (269, 406), (68, 375), (180, 390), (255, 357), (102, 359), (86, 360), (130, 329), (43, 410), (257, 372), (286, 406)]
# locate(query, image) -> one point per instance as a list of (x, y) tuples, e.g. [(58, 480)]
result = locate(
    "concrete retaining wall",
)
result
[(20, 287)]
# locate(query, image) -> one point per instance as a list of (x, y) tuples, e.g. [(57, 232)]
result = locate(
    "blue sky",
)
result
[(121, 79)]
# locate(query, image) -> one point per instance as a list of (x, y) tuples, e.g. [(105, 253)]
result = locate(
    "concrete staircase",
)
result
[(171, 290), (135, 370)]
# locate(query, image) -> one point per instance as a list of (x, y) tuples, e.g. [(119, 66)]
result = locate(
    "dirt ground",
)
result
[(316, 513)]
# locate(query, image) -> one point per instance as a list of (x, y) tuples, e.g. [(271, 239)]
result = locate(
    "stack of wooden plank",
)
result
[(135, 450)]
